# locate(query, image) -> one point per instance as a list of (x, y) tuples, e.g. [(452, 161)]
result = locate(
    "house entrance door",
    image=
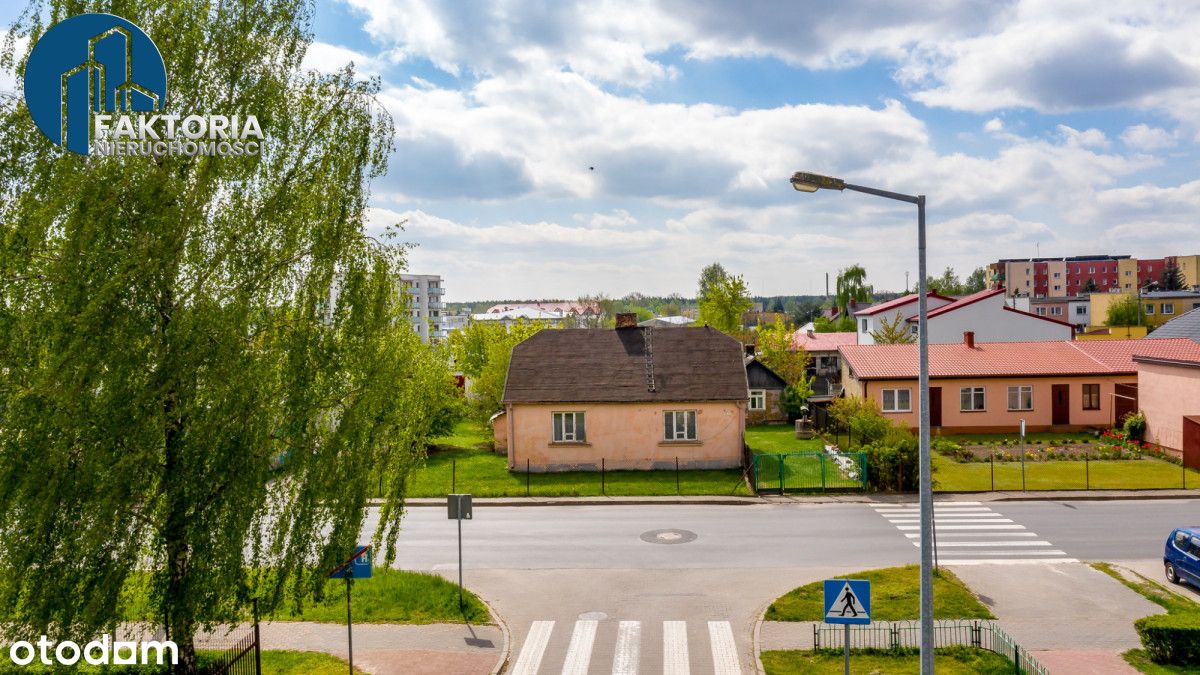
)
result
[(935, 407), (1060, 395)]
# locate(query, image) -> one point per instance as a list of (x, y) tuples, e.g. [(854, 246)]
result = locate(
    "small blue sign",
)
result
[(357, 567), (847, 601)]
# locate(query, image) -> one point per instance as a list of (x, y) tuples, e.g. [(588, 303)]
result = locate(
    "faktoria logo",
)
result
[(91, 79)]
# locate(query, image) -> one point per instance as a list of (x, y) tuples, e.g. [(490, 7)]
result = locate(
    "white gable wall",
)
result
[(873, 321), (992, 323)]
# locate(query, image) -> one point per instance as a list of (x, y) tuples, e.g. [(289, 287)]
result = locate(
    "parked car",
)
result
[(1181, 557)]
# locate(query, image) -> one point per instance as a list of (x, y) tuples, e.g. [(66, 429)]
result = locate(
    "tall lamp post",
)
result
[(811, 182)]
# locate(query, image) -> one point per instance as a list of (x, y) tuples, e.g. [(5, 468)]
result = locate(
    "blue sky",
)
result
[(567, 148)]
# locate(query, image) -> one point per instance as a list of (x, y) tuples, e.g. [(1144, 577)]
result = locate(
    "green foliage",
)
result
[(892, 463), (977, 281), (723, 299), (777, 352), (894, 332), (204, 357), (843, 324), (1134, 426), (394, 596), (861, 416), (852, 285), (483, 350), (949, 283), (1171, 638), (1172, 277), (1125, 312), (950, 661)]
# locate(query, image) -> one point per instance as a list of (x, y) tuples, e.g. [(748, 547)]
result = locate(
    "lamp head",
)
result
[(811, 182)]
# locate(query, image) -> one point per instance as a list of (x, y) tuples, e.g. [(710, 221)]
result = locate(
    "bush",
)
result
[(951, 449), (892, 463), (1171, 638), (866, 424), (1135, 426)]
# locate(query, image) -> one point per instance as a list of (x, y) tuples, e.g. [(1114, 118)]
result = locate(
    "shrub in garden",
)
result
[(866, 424), (1135, 426), (1171, 638), (892, 463)]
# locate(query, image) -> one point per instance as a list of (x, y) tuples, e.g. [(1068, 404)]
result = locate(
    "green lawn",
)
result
[(457, 463), (274, 662), (1156, 593), (394, 596), (799, 473), (1141, 661), (895, 596), (950, 661), (951, 476), (779, 438)]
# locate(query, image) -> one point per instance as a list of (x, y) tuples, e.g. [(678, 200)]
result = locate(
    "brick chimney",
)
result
[(969, 339), (749, 349), (627, 320)]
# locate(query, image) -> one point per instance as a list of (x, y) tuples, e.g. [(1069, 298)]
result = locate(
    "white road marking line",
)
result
[(530, 658), (985, 544), (628, 650), (942, 509), (991, 552), (675, 648), (1011, 561), (579, 653), (953, 521), (950, 535), (965, 527), (936, 505), (724, 649)]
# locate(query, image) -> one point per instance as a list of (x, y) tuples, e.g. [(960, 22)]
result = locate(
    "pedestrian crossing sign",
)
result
[(847, 601)]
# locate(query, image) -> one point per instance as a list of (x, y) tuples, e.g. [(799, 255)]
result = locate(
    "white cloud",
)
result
[(994, 125), (327, 58), (1145, 138)]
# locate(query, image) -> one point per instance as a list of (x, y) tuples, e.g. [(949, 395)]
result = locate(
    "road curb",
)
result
[(504, 653), (756, 638)]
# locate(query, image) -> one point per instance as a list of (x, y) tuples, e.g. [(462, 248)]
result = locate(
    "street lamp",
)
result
[(811, 182)]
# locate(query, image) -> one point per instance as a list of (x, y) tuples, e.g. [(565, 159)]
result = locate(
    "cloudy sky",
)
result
[(556, 148)]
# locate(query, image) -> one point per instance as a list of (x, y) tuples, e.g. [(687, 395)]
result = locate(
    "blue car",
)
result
[(1181, 558)]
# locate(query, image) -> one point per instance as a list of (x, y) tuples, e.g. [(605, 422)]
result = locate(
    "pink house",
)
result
[(631, 397), (1169, 395), (989, 387)]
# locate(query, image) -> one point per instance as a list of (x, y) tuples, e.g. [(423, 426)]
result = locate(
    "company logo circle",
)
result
[(88, 64)]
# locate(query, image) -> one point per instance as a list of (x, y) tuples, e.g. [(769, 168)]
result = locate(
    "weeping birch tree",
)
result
[(205, 362)]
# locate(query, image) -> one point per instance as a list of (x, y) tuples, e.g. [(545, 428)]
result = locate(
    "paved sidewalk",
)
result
[(847, 498), (387, 649)]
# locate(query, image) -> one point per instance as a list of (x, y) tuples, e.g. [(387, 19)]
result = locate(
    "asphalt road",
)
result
[(596, 589)]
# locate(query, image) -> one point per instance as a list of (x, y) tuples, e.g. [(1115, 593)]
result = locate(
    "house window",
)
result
[(971, 399), (568, 427), (1168, 308), (897, 400), (1020, 398), (915, 328), (679, 425), (1056, 311), (1091, 397), (1128, 273), (1041, 311), (1080, 310), (1057, 275), (864, 325), (758, 399), (1150, 308), (1091, 270)]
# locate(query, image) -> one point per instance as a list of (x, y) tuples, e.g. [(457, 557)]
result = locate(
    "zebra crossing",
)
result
[(971, 533), (627, 655)]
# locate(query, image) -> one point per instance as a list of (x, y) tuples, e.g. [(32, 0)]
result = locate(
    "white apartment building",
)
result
[(426, 305)]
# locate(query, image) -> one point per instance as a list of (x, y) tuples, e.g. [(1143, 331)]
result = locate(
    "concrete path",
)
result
[(386, 649)]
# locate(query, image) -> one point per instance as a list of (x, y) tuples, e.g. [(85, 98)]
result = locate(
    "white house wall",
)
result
[(873, 322), (992, 323)]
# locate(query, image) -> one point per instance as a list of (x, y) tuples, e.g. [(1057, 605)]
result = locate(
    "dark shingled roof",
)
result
[(590, 365), (1182, 326)]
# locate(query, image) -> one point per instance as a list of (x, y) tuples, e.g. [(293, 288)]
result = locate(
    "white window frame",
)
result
[(1056, 311), (1167, 308), (679, 430), (558, 426), (864, 326), (1150, 308), (896, 402), (1024, 394), (978, 399), (761, 396)]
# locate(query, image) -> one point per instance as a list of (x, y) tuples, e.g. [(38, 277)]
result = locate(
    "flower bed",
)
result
[(1110, 445)]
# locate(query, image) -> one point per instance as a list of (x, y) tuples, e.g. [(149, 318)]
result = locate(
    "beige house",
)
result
[(632, 397)]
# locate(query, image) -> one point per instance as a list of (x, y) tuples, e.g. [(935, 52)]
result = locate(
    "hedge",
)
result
[(1171, 638)]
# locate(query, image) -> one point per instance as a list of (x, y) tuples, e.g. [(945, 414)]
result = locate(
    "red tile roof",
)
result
[(1014, 359), (823, 342), (898, 302)]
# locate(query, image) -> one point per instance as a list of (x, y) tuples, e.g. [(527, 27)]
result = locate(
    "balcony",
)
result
[(436, 304), (436, 290)]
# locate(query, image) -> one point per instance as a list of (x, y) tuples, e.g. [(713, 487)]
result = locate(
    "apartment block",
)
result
[(426, 305), (1073, 276)]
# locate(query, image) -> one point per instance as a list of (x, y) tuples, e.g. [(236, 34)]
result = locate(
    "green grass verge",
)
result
[(895, 596), (1152, 591), (779, 438), (799, 473), (1141, 661), (462, 462), (1132, 474), (274, 662), (950, 661), (394, 596)]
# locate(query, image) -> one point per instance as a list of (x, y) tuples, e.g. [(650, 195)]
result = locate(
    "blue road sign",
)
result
[(357, 567), (847, 601)]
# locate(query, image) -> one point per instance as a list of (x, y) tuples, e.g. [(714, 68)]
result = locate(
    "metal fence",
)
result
[(808, 471), (243, 656), (946, 633)]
